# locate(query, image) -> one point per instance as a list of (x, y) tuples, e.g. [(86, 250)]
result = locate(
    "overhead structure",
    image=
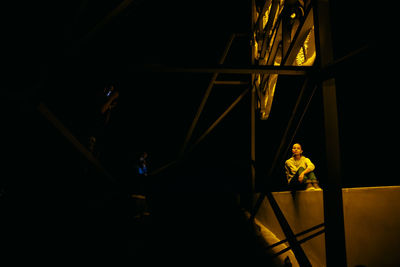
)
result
[(282, 35)]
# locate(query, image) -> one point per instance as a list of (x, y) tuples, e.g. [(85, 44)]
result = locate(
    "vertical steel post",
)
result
[(253, 107), (335, 244)]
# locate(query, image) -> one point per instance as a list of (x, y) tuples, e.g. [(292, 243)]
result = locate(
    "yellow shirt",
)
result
[(292, 165)]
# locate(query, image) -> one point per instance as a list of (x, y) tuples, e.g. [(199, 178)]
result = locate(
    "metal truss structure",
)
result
[(297, 33), (282, 35), (289, 37)]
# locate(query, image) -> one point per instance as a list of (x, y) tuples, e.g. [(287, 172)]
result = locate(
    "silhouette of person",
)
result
[(140, 185), (142, 166)]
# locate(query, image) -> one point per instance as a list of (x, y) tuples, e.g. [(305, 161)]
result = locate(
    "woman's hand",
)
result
[(301, 177)]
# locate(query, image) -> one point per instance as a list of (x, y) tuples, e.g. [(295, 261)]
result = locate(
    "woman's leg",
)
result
[(296, 184), (307, 182), (312, 179)]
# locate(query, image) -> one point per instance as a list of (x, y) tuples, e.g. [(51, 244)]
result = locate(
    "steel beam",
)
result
[(206, 95), (291, 237), (110, 16), (299, 37), (335, 244), (237, 100), (282, 70), (258, 24), (215, 123), (231, 83), (253, 106), (269, 27)]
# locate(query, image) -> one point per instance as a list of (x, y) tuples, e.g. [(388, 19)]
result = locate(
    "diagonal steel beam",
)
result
[(237, 100), (299, 37), (42, 108), (259, 22), (109, 17), (300, 234), (291, 237), (300, 242), (206, 95), (270, 28), (216, 122), (282, 70)]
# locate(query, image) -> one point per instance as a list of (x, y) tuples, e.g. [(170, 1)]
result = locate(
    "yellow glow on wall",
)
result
[(306, 55)]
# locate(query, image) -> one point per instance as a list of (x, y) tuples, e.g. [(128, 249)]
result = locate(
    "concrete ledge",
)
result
[(372, 223)]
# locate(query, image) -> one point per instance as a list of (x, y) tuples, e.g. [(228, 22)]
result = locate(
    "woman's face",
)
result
[(296, 150)]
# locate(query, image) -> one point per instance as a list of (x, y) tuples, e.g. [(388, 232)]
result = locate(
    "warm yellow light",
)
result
[(266, 15), (300, 58), (255, 47), (268, 96), (307, 53)]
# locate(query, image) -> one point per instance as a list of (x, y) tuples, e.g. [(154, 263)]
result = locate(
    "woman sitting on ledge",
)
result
[(300, 171)]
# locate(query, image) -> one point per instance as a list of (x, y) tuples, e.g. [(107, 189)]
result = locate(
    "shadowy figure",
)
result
[(104, 102), (142, 165), (300, 171), (140, 185)]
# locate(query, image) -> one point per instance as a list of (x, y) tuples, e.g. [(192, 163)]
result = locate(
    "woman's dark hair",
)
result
[(298, 144)]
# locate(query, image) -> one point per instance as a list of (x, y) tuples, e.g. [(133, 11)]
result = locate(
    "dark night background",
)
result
[(51, 54)]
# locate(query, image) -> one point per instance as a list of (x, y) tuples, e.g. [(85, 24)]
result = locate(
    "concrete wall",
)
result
[(372, 223)]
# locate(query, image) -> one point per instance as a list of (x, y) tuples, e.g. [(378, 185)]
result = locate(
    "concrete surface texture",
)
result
[(372, 221)]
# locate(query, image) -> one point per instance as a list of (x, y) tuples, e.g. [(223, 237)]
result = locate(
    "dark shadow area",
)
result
[(366, 101), (56, 206), (198, 228)]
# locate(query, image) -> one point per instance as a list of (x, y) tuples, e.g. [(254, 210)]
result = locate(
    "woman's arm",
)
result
[(310, 167), (301, 175)]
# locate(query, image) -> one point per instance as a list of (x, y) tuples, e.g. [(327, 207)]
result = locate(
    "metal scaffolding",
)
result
[(286, 38), (280, 30)]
